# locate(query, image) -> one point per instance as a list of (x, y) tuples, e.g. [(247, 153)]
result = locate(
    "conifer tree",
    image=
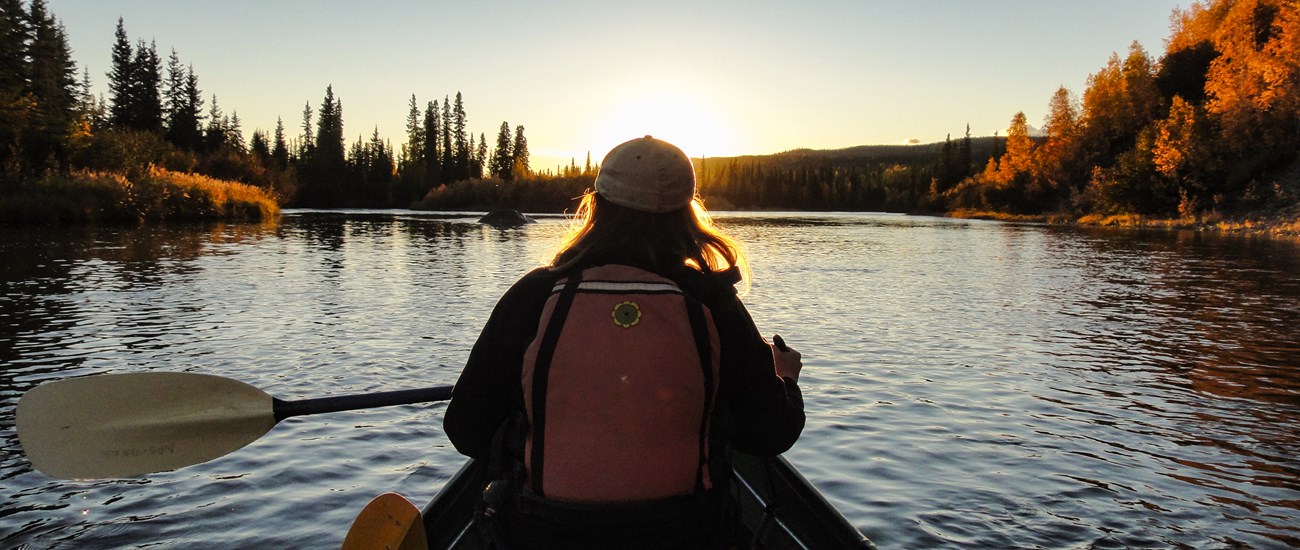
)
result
[(519, 154), (52, 87), (432, 151), (215, 136), (146, 101), (448, 154), (414, 133), (121, 78), (234, 133), (259, 148), (13, 67), (461, 140), (307, 128), (503, 156), (191, 119), (480, 156), (280, 149)]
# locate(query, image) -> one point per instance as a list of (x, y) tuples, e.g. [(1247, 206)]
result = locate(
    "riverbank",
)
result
[(1283, 223), (155, 194)]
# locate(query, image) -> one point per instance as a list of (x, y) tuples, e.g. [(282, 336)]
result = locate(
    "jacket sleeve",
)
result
[(766, 410), (488, 390)]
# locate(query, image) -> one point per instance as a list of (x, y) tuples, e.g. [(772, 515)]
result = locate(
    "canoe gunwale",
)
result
[(769, 492)]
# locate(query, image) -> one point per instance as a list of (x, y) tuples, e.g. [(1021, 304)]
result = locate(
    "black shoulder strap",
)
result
[(541, 371), (700, 329)]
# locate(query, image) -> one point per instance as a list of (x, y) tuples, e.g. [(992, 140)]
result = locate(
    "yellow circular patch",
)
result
[(626, 314)]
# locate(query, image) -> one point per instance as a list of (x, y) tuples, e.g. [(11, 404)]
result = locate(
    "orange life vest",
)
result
[(619, 387)]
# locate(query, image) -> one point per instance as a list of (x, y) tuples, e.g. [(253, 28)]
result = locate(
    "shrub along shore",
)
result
[(150, 195)]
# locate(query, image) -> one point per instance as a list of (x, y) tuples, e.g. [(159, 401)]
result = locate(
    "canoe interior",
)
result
[(779, 509)]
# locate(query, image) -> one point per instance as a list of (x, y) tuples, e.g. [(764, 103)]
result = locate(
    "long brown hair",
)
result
[(602, 231)]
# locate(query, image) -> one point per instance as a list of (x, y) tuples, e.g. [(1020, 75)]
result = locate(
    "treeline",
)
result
[(157, 115), (1211, 128), (894, 178)]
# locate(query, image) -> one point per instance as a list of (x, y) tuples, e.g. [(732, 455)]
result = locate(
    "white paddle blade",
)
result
[(120, 425)]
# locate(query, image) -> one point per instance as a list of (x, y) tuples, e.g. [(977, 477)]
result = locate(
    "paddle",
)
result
[(119, 425), (389, 521)]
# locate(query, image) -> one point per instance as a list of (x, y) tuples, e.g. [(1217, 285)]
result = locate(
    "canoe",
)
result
[(779, 509)]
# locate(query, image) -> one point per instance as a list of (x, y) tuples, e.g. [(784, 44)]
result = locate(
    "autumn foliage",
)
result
[(1213, 127)]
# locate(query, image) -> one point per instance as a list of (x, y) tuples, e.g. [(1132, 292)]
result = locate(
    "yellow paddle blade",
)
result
[(119, 425), (389, 522)]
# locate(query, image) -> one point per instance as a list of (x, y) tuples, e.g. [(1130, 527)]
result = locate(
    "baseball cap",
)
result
[(647, 174)]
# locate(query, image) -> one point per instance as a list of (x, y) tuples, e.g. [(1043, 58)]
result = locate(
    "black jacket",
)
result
[(757, 412)]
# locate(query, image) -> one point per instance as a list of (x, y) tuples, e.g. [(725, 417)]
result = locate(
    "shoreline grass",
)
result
[(153, 195), (1284, 223)]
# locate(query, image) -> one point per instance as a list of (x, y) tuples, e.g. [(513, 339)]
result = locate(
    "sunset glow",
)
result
[(688, 122)]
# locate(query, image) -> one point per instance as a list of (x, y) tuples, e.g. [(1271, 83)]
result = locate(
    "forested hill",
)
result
[(895, 178)]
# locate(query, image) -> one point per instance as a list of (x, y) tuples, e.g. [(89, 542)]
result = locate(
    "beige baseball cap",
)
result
[(647, 174)]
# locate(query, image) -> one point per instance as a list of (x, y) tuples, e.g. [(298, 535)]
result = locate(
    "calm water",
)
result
[(969, 384)]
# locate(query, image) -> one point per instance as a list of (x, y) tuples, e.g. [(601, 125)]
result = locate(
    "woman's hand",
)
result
[(788, 360)]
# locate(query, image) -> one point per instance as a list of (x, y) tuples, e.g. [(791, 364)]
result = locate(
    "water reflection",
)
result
[(969, 383)]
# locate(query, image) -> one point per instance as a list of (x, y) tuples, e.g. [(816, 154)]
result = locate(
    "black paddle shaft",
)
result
[(285, 409)]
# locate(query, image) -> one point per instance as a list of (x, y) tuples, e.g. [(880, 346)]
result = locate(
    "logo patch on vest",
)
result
[(626, 314)]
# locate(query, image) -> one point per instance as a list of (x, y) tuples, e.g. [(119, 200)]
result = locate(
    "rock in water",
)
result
[(506, 217)]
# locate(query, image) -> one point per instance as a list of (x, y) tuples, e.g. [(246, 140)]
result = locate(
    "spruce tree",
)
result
[(480, 156), (432, 152), (174, 100), (519, 155), (215, 136), (448, 155), (146, 101), (461, 145), (502, 157), (414, 133), (190, 124), (51, 86), (280, 150), (120, 80)]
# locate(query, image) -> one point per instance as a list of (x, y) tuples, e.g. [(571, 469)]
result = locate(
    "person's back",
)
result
[(606, 388)]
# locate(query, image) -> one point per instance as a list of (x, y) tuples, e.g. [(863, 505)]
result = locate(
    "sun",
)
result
[(699, 129)]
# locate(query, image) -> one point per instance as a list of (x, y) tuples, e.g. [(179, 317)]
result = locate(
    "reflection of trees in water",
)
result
[(44, 266), (1208, 322), (1217, 310)]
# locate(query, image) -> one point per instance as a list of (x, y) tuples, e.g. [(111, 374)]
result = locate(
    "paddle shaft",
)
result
[(285, 409)]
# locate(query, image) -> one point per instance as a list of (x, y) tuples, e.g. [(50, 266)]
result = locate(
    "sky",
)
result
[(716, 78)]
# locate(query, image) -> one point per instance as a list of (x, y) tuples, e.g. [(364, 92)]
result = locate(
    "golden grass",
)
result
[(155, 194)]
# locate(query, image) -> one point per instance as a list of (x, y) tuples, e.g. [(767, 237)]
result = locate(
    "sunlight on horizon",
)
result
[(688, 122)]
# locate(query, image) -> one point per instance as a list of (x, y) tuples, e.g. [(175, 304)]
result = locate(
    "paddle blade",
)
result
[(388, 522), (119, 425)]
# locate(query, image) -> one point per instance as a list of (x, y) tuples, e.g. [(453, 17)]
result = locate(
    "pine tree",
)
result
[(519, 154), (280, 149), (414, 133), (461, 140), (215, 136), (259, 148), (447, 160), (480, 156), (146, 101), (432, 152), (52, 87), (308, 145), (189, 122), (502, 157), (121, 78), (174, 100), (234, 134), (13, 66)]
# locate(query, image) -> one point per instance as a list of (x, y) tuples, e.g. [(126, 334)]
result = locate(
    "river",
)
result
[(969, 384)]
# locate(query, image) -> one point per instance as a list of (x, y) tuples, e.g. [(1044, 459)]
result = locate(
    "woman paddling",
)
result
[(607, 387)]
